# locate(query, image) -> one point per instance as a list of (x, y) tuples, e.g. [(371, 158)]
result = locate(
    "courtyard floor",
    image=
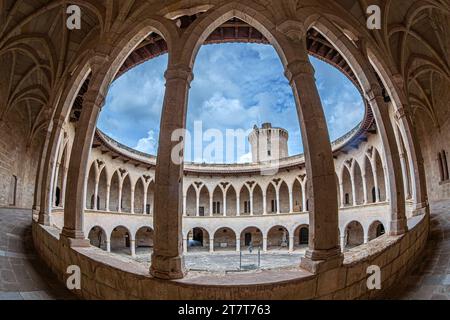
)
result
[(24, 277)]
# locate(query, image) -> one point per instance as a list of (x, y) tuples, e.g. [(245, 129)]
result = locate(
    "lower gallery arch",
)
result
[(251, 236), (278, 238), (301, 237), (354, 235), (121, 240), (97, 237), (224, 240), (144, 240), (376, 230), (198, 240)]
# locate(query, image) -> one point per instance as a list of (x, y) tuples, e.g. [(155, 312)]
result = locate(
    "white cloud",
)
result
[(148, 144), (246, 158)]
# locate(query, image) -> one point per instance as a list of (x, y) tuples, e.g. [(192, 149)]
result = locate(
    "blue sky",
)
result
[(235, 87)]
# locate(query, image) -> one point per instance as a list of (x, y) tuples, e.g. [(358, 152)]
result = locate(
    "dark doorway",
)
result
[(127, 240), (374, 195), (198, 235), (248, 239), (304, 236), (380, 230), (201, 211)]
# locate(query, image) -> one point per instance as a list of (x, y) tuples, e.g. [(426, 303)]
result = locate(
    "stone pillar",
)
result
[(197, 206), (324, 250), (251, 203), (224, 203), (108, 245), (403, 161), (264, 244), (46, 195), (304, 197), (132, 200), (185, 205), (211, 200), (366, 238), (144, 210), (185, 245), (238, 244), (63, 187), (291, 202), (133, 248), (108, 195), (167, 257), (277, 196), (238, 205), (291, 243), (375, 181), (341, 193), (211, 244), (394, 178), (119, 209), (342, 238), (352, 180), (72, 234), (364, 182), (97, 181), (264, 203)]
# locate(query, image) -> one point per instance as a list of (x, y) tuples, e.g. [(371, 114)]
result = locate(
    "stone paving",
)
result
[(231, 261), (22, 275), (430, 279)]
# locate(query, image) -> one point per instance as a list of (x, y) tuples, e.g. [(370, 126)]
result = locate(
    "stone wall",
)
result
[(18, 162), (106, 277)]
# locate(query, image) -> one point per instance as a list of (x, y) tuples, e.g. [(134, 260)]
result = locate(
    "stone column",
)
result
[(238, 244), (224, 203), (291, 243), (375, 181), (185, 205), (352, 180), (119, 209), (63, 187), (132, 200), (211, 200), (403, 161), (144, 210), (46, 195), (108, 245), (72, 234), (277, 196), (304, 197), (133, 248), (251, 203), (366, 238), (185, 245), (167, 257), (341, 193), (394, 178), (264, 203), (291, 202), (108, 195), (238, 205), (324, 250), (264, 244), (364, 182), (342, 238), (197, 207), (97, 181), (211, 244)]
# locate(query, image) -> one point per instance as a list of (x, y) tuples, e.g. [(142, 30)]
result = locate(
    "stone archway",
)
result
[(98, 238)]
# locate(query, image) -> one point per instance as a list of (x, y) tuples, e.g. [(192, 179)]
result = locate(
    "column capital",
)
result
[(179, 72), (401, 113), (297, 68)]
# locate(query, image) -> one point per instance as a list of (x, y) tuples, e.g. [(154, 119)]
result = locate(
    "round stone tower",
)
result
[(268, 143)]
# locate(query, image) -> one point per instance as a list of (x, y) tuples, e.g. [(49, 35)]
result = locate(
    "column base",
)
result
[(74, 239), (420, 209), (44, 219), (398, 227), (318, 261), (167, 268)]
